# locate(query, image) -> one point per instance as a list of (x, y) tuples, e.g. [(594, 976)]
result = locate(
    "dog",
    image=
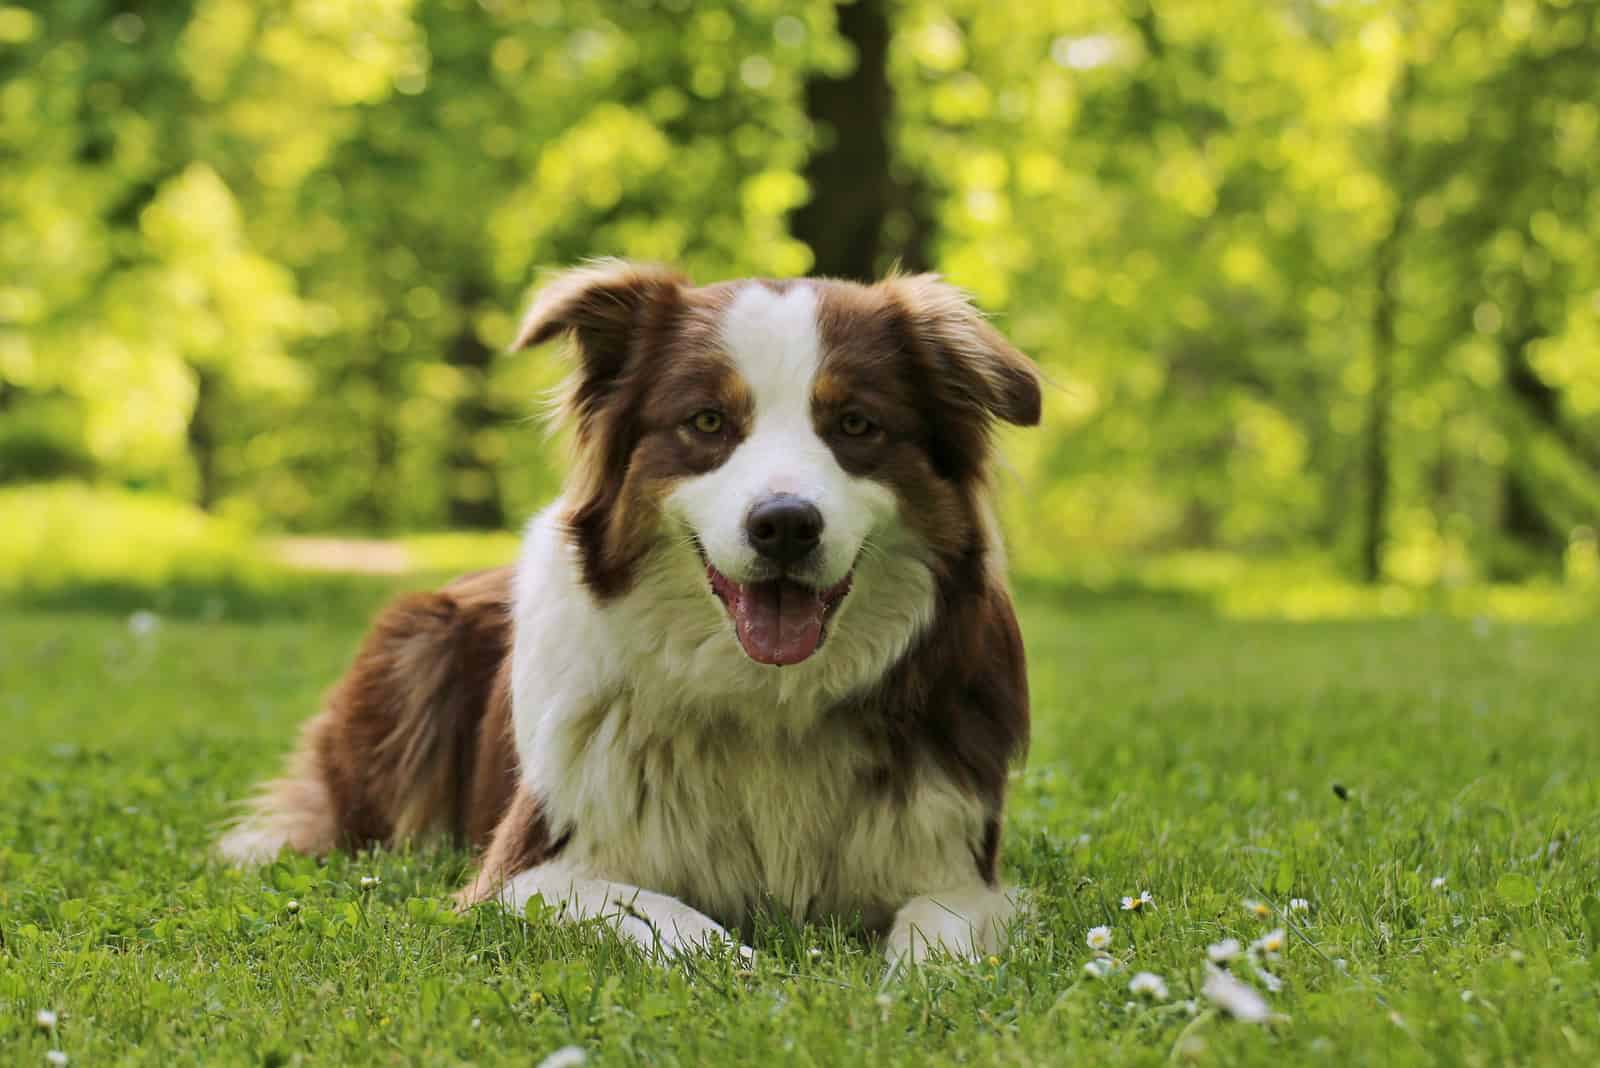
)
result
[(759, 655)]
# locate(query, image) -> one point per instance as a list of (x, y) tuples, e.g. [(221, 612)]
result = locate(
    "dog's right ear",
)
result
[(616, 313), (601, 305)]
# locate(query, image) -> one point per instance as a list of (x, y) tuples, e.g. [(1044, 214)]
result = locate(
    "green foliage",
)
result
[(1302, 274), (67, 534), (1175, 751)]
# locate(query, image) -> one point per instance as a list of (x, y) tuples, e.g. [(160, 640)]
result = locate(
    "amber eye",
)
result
[(707, 422), (854, 424)]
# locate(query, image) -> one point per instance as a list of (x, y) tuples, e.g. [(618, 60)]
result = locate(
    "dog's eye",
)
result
[(854, 424), (707, 422)]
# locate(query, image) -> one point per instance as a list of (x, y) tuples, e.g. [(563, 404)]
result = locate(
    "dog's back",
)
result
[(413, 740)]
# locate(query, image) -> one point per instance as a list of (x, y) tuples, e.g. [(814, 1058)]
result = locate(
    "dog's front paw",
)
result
[(967, 924), (676, 931)]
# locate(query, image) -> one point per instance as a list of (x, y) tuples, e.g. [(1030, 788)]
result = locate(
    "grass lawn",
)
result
[(1208, 761)]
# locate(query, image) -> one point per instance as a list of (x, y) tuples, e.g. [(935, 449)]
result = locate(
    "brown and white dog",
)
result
[(759, 654)]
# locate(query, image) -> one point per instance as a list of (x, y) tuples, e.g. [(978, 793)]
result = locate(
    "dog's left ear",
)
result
[(978, 365)]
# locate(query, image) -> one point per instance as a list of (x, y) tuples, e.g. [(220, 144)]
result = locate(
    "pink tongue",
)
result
[(779, 622)]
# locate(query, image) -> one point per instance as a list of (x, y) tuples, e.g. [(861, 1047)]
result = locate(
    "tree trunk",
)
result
[(1377, 460), (202, 437), (853, 189), (1522, 520), (473, 486)]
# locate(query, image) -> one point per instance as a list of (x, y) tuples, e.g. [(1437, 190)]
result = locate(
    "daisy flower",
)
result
[(1259, 909), (1270, 944), (1268, 980), (1299, 904), (56, 1057), (1438, 882), (1100, 967), (369, 881), (1134, 904), (565, 1057), (45, 1020), (1233, 997), (1099, 937), (1224, 951), (1148, 985)]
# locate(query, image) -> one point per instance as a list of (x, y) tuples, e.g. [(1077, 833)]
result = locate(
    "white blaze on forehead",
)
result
[(775, 344)]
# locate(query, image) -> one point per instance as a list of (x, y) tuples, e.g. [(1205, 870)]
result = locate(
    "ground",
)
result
[(1429, 787)]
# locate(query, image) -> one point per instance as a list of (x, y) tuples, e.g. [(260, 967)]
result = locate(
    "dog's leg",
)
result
[(965, 922), (657, 922)]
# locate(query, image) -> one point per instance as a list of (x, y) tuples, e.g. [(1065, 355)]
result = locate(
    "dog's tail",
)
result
[(413, 740)]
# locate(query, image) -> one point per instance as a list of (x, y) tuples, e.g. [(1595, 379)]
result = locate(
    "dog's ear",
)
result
[(973, 364), (616, 313), (602, 306)]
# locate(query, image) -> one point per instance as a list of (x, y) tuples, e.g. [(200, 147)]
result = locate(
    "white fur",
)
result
[(656, 922), (965, 922), (755, 795)]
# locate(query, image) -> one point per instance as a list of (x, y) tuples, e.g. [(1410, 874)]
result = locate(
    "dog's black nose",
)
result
[(783, 527)]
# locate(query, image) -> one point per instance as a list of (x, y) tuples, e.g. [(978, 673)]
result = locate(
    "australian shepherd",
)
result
[(760, 653)]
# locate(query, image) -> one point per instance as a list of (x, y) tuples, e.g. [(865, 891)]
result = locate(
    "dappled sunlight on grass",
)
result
[(1308, 588), (1332, 599), (63, 534)]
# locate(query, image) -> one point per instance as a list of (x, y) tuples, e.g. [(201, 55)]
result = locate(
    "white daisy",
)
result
[(1148, 985), (1233, 997), (1438, 882), (1100, 967), (45, 1019), (1099, 937), (1134, 904), (565, 1057), (293, 906), (369, 881), (1299, 904), (1271, 944), (56, 1057), (1224, 951), (1259, 909), (1268, 980)]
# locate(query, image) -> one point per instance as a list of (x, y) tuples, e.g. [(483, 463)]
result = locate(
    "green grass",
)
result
[(1175, 750)]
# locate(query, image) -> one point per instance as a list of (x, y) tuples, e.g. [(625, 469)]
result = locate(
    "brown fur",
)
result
[(414, 739), (960, 698)]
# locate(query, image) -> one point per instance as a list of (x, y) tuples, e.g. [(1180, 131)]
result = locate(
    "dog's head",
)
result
[(801, 438)]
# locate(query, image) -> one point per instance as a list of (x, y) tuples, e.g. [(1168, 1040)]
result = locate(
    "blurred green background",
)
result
[(1316, 282)]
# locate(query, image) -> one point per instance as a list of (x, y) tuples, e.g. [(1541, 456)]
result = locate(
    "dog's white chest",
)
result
[(728, 821)]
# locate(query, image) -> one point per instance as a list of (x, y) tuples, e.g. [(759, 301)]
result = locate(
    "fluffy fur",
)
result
[(605, 709)]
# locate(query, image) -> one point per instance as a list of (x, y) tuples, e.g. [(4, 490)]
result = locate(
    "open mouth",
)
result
[(779, 621)]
